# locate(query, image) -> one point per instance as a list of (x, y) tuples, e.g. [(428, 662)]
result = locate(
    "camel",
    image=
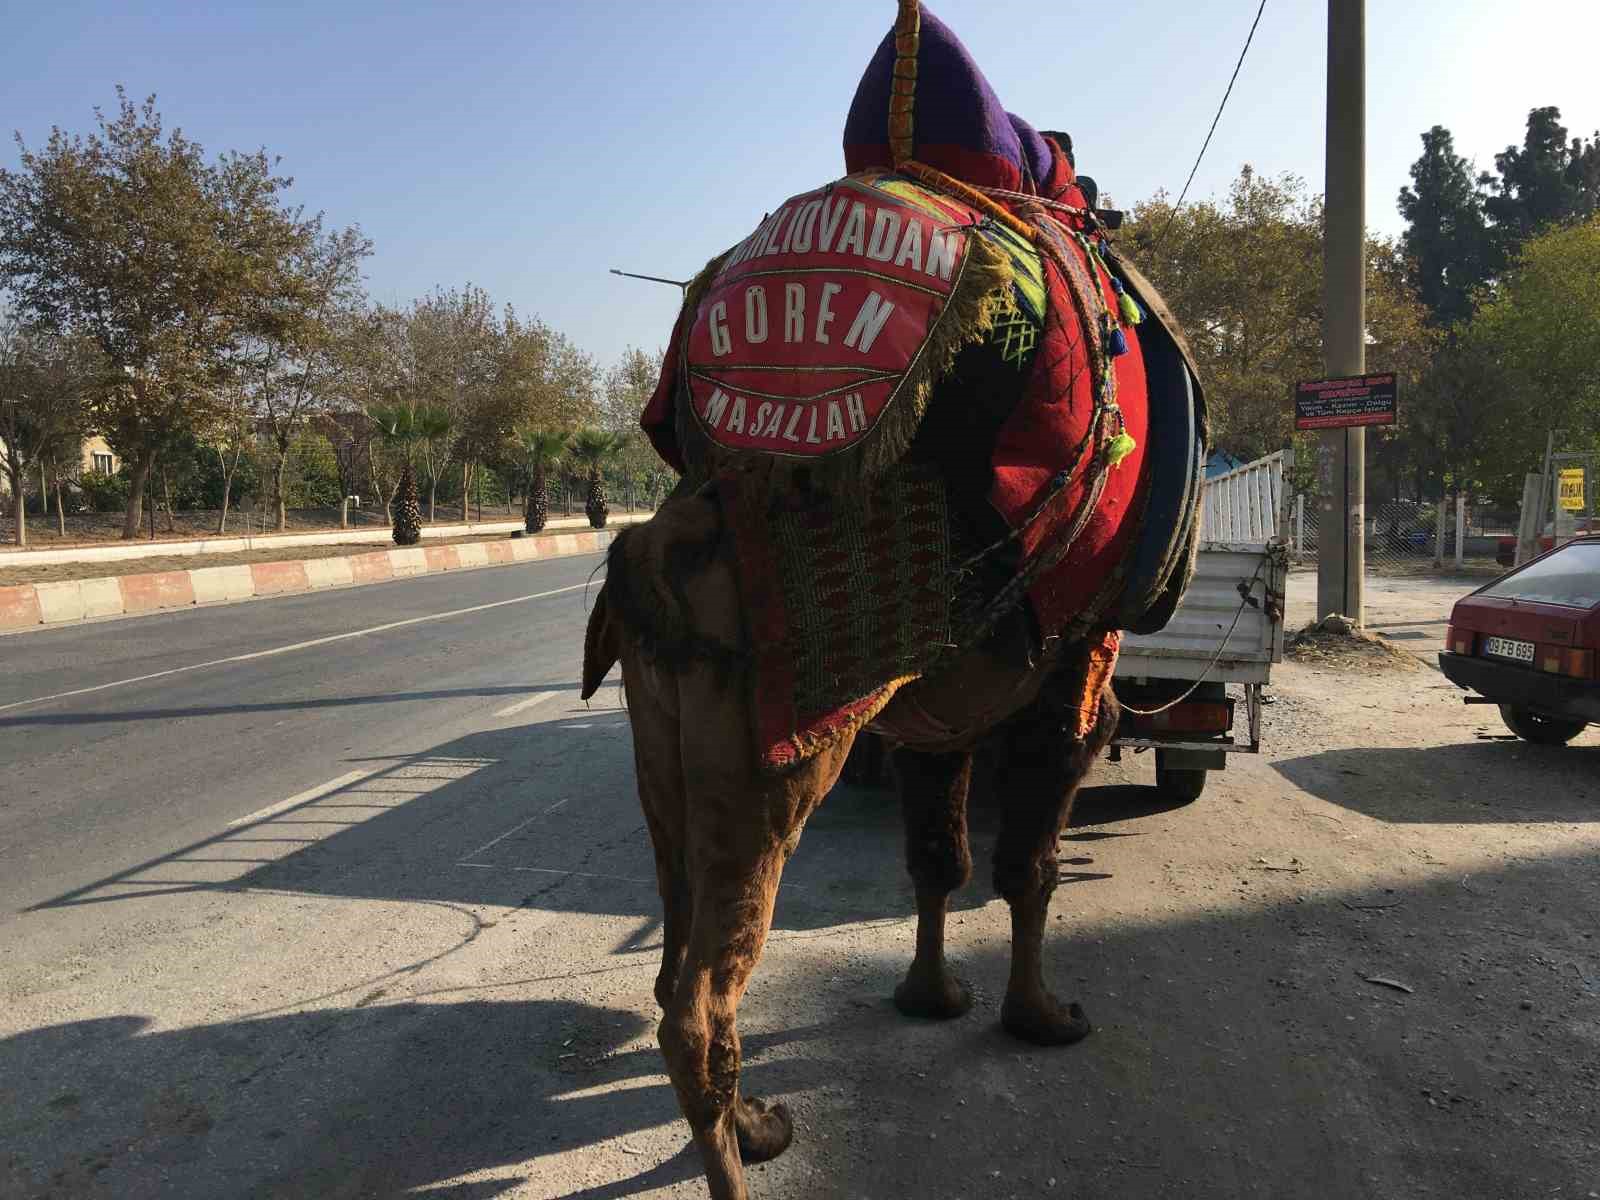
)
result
[(722, 829), (951, 310)]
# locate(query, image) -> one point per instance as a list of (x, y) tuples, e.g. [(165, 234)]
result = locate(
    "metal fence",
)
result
[(1257, 501), (1416, 537), (1249, 503)]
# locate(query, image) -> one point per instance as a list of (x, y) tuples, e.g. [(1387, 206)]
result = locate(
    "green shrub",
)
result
[(104, 493)]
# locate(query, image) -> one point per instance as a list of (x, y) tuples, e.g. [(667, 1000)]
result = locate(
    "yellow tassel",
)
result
[(1129, 307), (1121, 446)]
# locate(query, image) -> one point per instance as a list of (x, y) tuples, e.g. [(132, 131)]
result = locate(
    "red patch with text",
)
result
[(806, 333)]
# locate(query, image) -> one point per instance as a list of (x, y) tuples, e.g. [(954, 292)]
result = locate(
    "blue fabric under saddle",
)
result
[(1163, 557)]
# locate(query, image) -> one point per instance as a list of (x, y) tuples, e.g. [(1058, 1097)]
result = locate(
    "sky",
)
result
[(528, 147)]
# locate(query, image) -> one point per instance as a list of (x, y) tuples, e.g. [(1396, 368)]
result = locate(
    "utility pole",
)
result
[(1340, 559)]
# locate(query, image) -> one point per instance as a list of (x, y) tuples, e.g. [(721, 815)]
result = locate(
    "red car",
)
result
[(1506, 547), (1529, 642)]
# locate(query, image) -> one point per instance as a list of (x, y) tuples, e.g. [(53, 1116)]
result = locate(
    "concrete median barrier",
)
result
[(41, 605)]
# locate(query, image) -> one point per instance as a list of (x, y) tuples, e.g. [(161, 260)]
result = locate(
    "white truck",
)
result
[(1226, 633)]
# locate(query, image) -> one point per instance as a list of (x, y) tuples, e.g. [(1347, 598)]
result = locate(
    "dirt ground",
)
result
[(51, 572)]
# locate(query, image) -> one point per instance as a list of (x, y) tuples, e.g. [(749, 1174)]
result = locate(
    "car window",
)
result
[(1570, 576)]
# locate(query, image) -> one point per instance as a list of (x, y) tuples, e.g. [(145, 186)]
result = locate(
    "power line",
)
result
[(1173, 215)]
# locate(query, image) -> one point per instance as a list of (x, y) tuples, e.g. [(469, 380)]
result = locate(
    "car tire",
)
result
[(1540, 730), (1180, 784)]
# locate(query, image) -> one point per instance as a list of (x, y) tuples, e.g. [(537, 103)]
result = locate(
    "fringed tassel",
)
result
[(1120, 447), (1127, 306)]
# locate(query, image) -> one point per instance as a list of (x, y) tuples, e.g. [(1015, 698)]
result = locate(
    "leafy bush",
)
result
[(104, 493)]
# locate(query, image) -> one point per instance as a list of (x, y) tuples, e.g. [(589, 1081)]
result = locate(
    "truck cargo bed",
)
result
[(1229, 626)]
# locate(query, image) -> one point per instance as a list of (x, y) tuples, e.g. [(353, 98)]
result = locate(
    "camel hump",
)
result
[(669, 595)]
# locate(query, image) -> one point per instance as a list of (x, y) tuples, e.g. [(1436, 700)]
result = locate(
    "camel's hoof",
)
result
[(1044, 1022), (932, 996), (764, 1133)]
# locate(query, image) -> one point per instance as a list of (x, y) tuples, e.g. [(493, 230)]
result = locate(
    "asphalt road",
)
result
[(184, 722), (227, 833), (347, 896)]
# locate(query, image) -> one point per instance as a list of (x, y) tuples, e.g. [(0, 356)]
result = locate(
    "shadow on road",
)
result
[(511, 817), (1239, 1052), (123, 715), (1501, 780), (340, 1103)]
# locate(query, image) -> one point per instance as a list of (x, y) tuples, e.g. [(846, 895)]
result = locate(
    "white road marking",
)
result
[(513, 829), (512, 710), (322, 789), (322, 641)]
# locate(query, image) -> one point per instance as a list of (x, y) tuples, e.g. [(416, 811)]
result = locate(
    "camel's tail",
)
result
[(600, 648), (643, 608)]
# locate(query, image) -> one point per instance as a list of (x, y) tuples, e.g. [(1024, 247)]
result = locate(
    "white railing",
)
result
[(1249, 503)]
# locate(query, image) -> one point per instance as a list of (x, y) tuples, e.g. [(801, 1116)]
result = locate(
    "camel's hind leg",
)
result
[(933, 796), (741, 828), (1042, 764), (658, 764)]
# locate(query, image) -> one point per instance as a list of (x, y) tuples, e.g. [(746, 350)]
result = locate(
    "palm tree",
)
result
[(398, 426), (592, 449), (540, 451)]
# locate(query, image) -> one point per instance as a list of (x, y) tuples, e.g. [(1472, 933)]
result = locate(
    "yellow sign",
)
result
[(1571, 494)]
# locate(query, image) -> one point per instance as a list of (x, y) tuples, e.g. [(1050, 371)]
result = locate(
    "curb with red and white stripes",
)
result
[(30, 605)]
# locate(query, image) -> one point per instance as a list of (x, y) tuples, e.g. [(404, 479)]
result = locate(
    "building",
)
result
[(95, 456)]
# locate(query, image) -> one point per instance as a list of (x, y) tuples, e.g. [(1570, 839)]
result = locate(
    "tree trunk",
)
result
[(278, 470), (61, 510), (433, 494), (466, 484), (166, 496), (372, 479), (18, 501), (227, 490), (134, 514)]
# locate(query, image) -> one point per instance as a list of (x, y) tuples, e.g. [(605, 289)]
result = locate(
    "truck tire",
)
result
[(1181, 784), (1541, 731)]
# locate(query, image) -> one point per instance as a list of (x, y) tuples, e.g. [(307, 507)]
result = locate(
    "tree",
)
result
[(1447, 236), (592, 449), (434, 425), (1244, 278), (445, 362), (1546, 181), (398, 427), (628, 386), (132, 238), (232, 438), (294, 352), (1541, 333), (350, 433), (44, 383), (540, 452)]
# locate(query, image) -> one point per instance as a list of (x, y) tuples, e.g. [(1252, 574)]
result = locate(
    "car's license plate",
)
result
[(1497, 647)]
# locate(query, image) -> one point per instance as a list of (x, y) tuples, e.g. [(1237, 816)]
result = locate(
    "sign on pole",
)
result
[(1570, 496), (1352, 402)]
